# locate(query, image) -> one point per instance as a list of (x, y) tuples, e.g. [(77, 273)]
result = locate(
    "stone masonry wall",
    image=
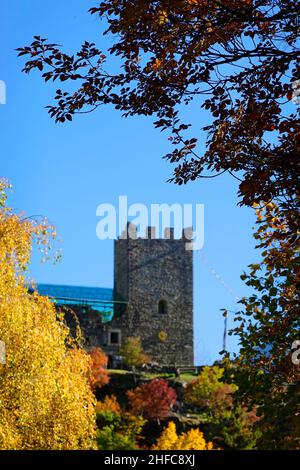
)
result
[(157, 269)]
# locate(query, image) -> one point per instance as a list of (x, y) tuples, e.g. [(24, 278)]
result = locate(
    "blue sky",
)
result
[(65, 171)]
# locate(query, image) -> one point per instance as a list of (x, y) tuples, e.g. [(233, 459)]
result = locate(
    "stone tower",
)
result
[(155, 278)]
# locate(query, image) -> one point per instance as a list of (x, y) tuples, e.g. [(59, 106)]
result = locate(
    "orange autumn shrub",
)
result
[(110, 403), (99, 373)]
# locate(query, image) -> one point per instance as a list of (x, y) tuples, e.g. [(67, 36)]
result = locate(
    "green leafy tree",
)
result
[(268, 325), (132, 352), (208, 391), (224, 421), (110, 439), (117, 429)]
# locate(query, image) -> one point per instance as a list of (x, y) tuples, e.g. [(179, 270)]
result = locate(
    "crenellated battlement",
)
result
[(131, 232)]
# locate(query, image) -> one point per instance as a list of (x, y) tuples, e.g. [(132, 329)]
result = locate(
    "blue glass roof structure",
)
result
[(76, 293), (98, 298)]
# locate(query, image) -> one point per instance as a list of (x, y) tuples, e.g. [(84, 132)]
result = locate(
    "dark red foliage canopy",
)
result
[(152, 400)]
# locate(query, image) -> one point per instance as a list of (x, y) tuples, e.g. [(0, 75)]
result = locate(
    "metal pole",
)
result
[(225, 331)]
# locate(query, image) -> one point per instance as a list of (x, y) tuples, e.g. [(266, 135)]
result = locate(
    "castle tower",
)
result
[(155, 277)]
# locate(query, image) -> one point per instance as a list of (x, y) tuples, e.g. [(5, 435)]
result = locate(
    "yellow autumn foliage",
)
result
[(162, 17), (191, 440), (45, 398)]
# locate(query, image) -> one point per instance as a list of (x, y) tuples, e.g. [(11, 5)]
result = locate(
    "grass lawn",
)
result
[(118, 371), (183, 377), (188, 377)]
